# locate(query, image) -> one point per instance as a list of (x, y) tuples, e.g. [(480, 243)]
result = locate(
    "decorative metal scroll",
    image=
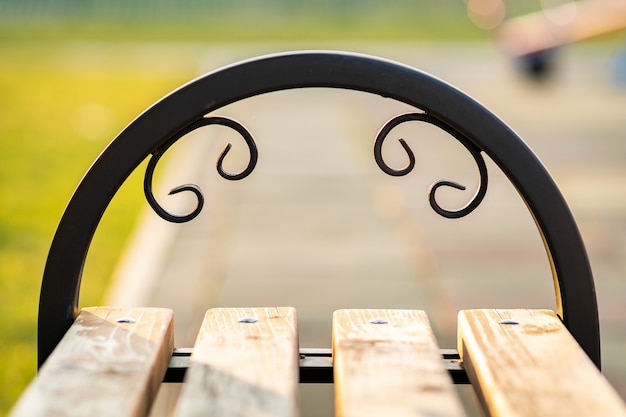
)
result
[(378, 144), (473, 150), (156, 155)]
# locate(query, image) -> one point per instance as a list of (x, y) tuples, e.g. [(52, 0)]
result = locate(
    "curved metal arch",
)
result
[(573, 281)]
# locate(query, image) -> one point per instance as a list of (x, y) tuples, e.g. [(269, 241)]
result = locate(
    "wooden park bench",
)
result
[(110, 361)]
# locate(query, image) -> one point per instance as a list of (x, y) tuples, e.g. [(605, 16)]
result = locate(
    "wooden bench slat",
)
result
[(526, 363), (389, 369), (109, 363), (244, 368)]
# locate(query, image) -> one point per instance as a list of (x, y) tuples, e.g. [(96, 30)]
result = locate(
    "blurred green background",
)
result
[(71, 78)]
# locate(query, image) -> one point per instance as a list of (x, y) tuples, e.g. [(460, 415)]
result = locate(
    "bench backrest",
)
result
[(436, 102)]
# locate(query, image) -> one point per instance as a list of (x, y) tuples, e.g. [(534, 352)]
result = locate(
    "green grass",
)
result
[(57, 114), (427, 21)]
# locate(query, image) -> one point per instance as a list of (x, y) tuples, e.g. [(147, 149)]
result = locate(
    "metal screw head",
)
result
[(508, 321), (378, 321), (247, 320), (125, 320)]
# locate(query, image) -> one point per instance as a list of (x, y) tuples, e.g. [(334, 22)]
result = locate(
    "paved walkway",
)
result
[(319, 227)]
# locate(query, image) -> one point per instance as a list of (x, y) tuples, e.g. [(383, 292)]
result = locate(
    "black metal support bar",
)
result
[(316, 366)]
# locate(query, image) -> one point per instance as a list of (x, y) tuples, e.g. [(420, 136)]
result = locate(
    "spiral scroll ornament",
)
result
[(159, 152), (470, 146)]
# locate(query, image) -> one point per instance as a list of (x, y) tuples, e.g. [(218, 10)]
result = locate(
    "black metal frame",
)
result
[(477, 128), (316, 366)]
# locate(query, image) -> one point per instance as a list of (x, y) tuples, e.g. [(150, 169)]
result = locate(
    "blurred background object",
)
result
[(560, 23), (532, 39)]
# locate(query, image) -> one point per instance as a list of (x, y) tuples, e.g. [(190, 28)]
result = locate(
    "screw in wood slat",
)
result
[(125, 320), (247, 320)]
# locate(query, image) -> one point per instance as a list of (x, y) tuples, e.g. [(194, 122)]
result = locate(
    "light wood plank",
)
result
[(389, 369), (532, 368), (110, 363), (244, 368)]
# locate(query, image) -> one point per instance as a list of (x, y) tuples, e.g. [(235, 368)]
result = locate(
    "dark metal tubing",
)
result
[(574, 287), (316, 366)]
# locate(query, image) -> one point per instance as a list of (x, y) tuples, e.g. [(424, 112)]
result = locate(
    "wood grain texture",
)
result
[(244, 369), (532, 368), (110, 363), (389, 369)]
